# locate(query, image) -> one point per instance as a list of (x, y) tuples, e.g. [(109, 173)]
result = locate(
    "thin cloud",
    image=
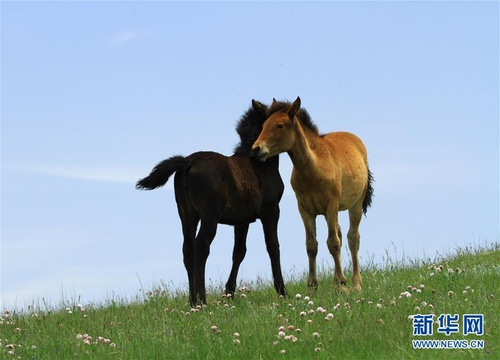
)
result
[(124, 37), (122, 174)]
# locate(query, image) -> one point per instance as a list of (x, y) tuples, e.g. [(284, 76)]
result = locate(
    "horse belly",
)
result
[(317, 198), (314, 202), (239, 211), (353, 186)]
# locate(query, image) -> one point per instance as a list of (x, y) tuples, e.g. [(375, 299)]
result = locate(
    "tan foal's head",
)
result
[(277, 135)]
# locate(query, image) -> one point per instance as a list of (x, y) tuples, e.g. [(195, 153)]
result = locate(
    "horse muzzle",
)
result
[(258, 153)]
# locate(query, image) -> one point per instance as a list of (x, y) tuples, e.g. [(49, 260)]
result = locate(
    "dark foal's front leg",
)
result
[(270, 226), (239, 252)]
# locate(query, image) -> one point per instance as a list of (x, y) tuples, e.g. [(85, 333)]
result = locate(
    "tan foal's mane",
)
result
[(302, 115)]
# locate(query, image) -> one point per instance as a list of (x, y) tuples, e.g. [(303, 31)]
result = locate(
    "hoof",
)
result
[(312, 286), (342, 289), (356, 288), (340, 286)]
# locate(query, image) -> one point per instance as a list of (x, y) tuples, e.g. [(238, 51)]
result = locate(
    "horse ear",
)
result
[(294, 108), (274, 102), (258, 105)]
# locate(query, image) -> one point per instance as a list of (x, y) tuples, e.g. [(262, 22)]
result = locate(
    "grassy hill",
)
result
[(377, 323)]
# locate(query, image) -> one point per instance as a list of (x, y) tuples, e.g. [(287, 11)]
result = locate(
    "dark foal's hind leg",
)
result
[(270, 226), (189, 231), (202, 243), (189, 219), (239, 252)]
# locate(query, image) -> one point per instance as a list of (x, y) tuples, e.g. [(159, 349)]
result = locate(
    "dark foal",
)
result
[(216, 189)]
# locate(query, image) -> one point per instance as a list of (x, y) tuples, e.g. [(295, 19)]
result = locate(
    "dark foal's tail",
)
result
[(162, 172), (367, 202)]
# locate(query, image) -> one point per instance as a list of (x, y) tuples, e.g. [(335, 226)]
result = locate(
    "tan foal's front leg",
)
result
[(309, 221), (335, 246)]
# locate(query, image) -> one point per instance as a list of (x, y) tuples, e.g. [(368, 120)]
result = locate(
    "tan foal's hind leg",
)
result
[(335, 246), (353, 237), (309, 221)]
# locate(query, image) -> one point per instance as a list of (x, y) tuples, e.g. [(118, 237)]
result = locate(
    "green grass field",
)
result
[(373, 324)]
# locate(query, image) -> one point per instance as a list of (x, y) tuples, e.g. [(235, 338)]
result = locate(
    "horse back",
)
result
[(344, 144), (228, 190)]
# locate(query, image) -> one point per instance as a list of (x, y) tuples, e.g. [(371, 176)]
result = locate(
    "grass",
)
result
[(373, 324)]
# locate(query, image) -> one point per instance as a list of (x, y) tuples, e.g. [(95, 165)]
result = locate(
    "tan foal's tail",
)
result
[(367, 202)]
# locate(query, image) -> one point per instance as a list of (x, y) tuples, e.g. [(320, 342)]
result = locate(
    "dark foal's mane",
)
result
[(248, 128), (303, 115)]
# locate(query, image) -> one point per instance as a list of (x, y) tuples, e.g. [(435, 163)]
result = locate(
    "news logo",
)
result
[(448, 324)]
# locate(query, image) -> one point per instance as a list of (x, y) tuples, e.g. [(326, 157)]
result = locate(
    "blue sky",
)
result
[(94, 94)]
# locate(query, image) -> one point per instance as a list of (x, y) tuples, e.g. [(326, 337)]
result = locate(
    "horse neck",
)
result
[(273, 162), (302, 153)]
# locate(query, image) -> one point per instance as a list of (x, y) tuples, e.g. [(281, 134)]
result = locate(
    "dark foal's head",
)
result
[(249, 126)]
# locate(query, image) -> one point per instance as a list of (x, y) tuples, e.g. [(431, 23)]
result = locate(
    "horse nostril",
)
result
[(255, 150)]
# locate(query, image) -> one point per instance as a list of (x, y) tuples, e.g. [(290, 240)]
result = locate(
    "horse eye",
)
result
[(281, 126)]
